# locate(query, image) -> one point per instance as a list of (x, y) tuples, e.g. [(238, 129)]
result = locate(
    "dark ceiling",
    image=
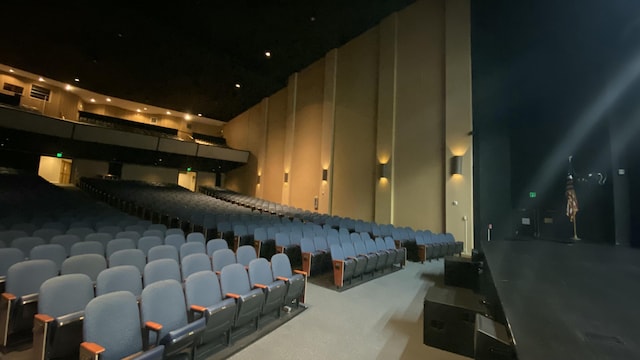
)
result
[(186, 56)]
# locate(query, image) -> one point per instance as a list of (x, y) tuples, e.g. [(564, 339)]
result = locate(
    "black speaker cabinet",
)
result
[(461, 272), (492, 341), (449, 319)]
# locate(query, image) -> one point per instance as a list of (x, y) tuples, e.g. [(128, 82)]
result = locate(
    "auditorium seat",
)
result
[(111, 330), (349, 251), (66, 240), (401, 252), (173, 231), (189, 248), (343, 268), (119, 278), (8, 257), (47, 234), (159, 270), (145, 243), (53, 252), (234, 283), (88, 264), (19, 302), (131, 234), (154, 232), (80, 232), (222, 258), (25, 244), (312, 259), (216, 244), (204, 299), (118, 244), (175, 240), (194, 263), (163, 310), (133, 257), (57, 328), (9, 235), (245, 254), (275, 290), (163, 252), (102, 238), (296, 283), (87, 247), (196, 237)]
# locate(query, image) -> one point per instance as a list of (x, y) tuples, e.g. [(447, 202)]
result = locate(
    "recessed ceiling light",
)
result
[(138, 110), (168, 112), (76, 80), (67, 87), (145, 109), (108, 99), (40, 79), (187, 117), (92, 100), (10, 70), (199, 114), (238, 86), (267, 54)]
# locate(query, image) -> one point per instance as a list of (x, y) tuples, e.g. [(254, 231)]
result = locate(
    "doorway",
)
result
[(55, 170), (187, 180)]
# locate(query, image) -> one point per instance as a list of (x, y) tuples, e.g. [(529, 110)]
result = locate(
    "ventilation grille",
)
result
[(39, 92), (13, 88)]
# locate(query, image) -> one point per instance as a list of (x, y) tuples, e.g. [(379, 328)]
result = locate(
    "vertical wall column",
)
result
[(328, 116), (292, 92), (385, 136), (262, 155), (458, 122)]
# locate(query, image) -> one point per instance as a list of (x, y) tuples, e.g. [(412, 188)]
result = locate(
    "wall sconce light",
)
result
[(456, 165), (384, 170), (325, 174), (286, 177), (258, 180)]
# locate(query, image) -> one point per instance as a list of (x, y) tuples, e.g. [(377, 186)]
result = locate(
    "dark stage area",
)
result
[(574, 300)]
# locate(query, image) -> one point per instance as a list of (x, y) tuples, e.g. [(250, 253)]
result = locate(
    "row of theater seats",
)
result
[(181, 316)]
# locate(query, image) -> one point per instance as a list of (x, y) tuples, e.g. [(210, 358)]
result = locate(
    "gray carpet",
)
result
[(378, 319)]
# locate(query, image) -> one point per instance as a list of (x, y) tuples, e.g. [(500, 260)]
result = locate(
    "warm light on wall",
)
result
[(456, 165), (286, 177), (258, 180), (325, 174)]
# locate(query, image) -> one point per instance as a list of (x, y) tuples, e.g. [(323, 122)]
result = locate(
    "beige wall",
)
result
[(205, 179), (49, 169), (398, 94)]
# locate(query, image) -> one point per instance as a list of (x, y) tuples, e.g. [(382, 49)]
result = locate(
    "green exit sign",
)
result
[(59, 155), (532, 194)]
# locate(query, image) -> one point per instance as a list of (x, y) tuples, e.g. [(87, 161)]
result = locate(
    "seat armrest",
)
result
[(150, 326), (8, 296), (260, 286), (89, 350), (43, 318), (304, 273), (232, 295), (282, 278), (196, 309)]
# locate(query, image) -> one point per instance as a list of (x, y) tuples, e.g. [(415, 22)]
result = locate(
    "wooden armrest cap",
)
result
[(198, 308), (92, 347), (261, 286), (300, 272), (153, 325), (8, 296), (43, 318), (282, 278), (232, 295)]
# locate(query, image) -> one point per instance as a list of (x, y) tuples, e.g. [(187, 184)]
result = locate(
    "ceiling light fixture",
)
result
[(267, 54), (168, 112), (40, 79), (187, 117), (237, 85), (67, 87), (76, 80), (199, 114), (92, 100), (138, 110), (108, 99), (11, 70)]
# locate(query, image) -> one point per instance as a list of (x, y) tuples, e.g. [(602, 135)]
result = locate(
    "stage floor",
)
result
[(568, 300)]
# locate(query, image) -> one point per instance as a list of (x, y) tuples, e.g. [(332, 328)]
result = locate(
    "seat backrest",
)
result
[(137, 228), (161, 269), (66, 240), (145, 243), (371, 246), (80, 232), (295, 237), (25, 244), (87, 247), (307, 245), (355, 237), (281, 266), (388, 240), (64, 294), (222, 258), (332, 240), (194, 263), (110, 229), (163, 252), (27, 227), (113, 321), (119, 278), (118, 244), (25, 277), (161, 227), (196, 237), (163, 302), (349, 250), (88, 264), (320, 242), (189, 248), (282, 239), (260, 234), (337, 253), (216, 244), (47, 234), (202, 288), (245, 254), (260, 272), (102, 238), (344, 237), (133, 257), (53, 252), (360, 248), (133, 235), (380, 245), (154, 232), (175, 240), (8, 257), (54, 225), (234, 279), (174, 231)]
